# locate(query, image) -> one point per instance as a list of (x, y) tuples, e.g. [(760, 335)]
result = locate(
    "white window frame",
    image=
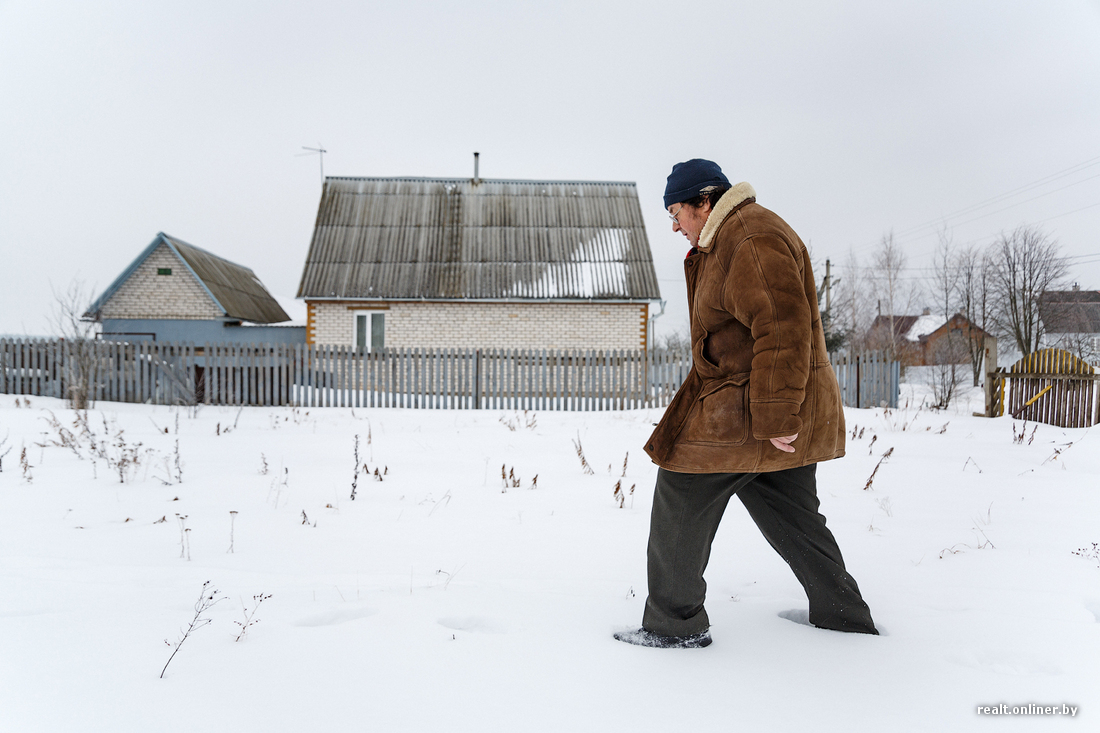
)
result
[(368, 314)]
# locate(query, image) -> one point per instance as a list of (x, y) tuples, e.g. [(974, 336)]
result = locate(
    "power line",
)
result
[(1019, 203), (1009, 194), (903, 235)]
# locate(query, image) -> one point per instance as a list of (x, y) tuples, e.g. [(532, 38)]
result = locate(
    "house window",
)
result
[(164, 270), (370, 331)]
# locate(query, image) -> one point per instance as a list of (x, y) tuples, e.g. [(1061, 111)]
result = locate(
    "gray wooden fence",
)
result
[(867, 378), (339, 376)]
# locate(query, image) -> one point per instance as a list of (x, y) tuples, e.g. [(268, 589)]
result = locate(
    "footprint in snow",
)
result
[(473, 623), (802, 616), (798, 615), (336, 616)]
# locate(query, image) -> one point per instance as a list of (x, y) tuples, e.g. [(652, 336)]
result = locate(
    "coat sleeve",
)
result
[(765, 291)]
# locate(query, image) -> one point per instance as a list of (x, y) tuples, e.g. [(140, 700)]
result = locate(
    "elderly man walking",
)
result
[(759, 409)]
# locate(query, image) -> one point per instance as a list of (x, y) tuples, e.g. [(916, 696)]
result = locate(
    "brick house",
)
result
[(923, 340), (175, 291), (478, 263), (1071, 321)]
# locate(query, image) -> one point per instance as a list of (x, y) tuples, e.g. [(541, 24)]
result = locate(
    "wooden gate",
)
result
[(1050, 386)]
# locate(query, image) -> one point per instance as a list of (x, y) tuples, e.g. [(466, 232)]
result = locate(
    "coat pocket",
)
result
[(720, 415)]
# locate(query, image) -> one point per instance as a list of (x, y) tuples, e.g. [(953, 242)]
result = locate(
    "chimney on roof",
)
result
[(1076, 286), (477, 178), (927, 312)]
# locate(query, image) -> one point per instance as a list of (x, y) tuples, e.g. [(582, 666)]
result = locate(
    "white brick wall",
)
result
[(489, 325), (149, 295)]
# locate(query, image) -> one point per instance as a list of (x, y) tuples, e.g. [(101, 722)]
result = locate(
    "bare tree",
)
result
[(78, 336), (1082, 345), (975, 303), (946, 276), (853, 306), (1025, 262), (678, 340), (894, 295), (948, 351)]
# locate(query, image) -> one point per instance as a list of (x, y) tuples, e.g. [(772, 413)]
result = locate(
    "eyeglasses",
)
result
[(674, 216)]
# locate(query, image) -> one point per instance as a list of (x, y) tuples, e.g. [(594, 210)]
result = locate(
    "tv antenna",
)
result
[(318, 151)]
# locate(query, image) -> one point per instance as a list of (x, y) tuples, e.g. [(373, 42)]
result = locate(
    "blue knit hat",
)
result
[(688, 180)]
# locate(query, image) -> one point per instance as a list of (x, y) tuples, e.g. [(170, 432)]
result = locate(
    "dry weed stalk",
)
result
[(508, 479), (177, 463), (250, 616), (871, 479), (580, 454), (1089, 553), (278, 486), (358, 463), (1018, 438), (620, 494), (2, 443), (232, 523), (25, 465), (1058, 452), (185, 537), (529, 421), (885, 505), (207, 599)]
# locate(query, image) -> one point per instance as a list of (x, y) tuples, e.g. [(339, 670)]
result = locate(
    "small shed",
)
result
[(478, 263), (175, 291), (1071, 321)]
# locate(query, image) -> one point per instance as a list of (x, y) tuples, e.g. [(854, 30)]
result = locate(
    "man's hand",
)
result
[(784, 444)]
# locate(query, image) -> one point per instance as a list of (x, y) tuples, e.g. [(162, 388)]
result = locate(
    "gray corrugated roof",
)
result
[(1070, 311), (234, 288), (443, 238)]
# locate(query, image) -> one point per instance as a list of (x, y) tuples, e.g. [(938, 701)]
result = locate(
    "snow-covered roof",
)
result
[(924, 325)]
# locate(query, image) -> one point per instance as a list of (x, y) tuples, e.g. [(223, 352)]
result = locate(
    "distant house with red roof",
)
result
[(927, 339)]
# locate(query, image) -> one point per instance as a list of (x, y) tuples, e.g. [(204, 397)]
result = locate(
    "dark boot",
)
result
[(641, 637)]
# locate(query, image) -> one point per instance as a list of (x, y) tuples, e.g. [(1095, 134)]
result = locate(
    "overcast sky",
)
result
[(851, 119)]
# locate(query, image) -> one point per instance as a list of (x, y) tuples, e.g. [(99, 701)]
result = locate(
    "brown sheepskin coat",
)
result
[(760, 368)]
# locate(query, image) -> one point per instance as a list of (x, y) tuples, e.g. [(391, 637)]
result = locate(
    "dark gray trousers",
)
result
[(687, 508)]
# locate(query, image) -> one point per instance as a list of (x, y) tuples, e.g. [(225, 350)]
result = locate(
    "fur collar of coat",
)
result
[(730, 200)]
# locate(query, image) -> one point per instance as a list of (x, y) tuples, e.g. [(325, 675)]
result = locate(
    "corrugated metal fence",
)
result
[(338, 376)]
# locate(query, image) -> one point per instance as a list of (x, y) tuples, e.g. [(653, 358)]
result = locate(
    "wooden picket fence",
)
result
[(867, 378), (339, 376), (1050, 386)]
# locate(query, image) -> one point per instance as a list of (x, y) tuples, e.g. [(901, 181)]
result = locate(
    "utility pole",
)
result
[(828, 286)]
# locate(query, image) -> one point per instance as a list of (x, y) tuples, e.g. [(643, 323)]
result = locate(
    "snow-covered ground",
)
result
[(442, 599)]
